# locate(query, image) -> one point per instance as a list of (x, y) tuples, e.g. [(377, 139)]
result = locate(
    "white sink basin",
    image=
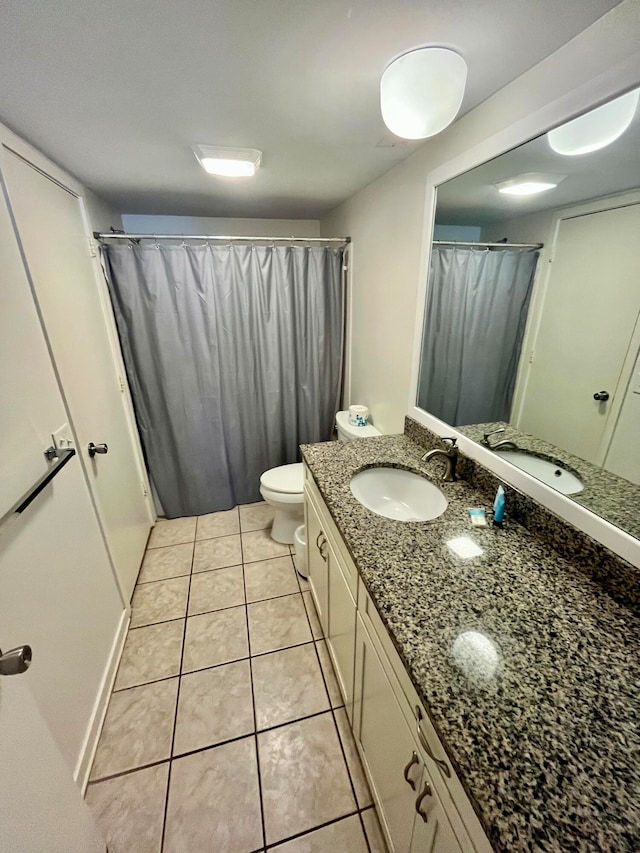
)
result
[(398, 494), (546, 470)]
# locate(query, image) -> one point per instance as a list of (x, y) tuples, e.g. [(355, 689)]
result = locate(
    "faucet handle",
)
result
[(453, 441)]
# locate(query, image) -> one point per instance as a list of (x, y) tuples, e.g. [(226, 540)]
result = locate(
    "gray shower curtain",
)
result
[(234, 357), (474, 324)]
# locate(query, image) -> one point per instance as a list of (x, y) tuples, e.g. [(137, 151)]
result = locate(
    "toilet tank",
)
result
[(347, 432)]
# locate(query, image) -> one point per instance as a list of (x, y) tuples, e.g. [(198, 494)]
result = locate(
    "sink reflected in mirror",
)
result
[(398, 494), (547, 470)]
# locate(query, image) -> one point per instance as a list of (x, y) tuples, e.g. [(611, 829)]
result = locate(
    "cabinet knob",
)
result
[(601, 396), (425, 792), (411, 763)]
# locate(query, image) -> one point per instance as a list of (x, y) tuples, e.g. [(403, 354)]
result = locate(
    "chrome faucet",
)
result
[(450, 456), (501, 445)]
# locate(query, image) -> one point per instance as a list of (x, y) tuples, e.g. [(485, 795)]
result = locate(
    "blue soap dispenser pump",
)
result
[(498, 506)]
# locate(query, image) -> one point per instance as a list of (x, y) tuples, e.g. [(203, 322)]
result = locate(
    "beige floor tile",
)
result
[(172, 561), (216, 589), (218, 524), (214, 801), (138, 728), (277, 623), (150, 653), (215, 638), (344, 836), (288, 685), (129, 810), (258, 545), (335, 696), (217, 553), (304, 777), (270, 578), (159, 601), (376, 840), (316, 627), (172, 532), (255, 516), (214, 705), (363, 794)]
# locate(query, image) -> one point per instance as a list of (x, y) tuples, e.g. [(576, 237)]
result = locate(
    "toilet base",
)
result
[(285, 522)]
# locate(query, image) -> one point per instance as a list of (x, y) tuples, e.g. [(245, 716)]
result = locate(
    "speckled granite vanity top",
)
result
[(606, 494), (529, 669)]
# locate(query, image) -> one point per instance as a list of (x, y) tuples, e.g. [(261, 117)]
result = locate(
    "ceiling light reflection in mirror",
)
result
[(566, 312), (476, 655)]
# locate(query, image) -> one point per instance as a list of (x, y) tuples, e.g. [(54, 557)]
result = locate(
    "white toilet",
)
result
[(283, 487)]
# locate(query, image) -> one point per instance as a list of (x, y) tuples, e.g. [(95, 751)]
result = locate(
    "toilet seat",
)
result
[(284, 480)]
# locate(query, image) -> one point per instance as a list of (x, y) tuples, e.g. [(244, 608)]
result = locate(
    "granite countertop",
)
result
[(609, 496), (529, 670)]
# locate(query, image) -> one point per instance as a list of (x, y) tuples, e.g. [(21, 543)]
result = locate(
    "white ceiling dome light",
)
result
[(595, 129), (421, 91), (228, 162)]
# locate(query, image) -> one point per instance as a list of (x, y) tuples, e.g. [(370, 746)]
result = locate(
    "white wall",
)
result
[(140, 224), (461, 233), (386, 219)]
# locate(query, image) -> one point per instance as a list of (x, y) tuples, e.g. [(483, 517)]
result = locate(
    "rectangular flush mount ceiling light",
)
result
[(228, 162), (529, 184)]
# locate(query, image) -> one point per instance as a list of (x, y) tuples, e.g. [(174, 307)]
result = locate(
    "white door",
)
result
[(56, 593), (590, 311), (52, 230), (41, 807)]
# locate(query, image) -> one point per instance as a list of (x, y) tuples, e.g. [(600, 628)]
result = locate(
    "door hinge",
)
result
[(122, 383), (145, 491), (532, 356), (92, 247)]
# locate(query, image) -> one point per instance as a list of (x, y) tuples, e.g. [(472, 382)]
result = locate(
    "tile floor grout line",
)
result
[(309, 831), (253, 704), (127, 772), (215, 665), (204, 571), (175, 713)]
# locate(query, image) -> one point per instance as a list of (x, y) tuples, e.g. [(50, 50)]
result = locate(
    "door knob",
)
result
[(15, 661), (601, 396), (97, 448)]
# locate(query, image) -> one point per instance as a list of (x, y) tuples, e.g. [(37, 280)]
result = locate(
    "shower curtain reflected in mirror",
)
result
[(233, 355), (477, 305)]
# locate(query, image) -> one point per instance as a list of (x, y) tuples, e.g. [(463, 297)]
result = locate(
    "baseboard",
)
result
[(88, 751)]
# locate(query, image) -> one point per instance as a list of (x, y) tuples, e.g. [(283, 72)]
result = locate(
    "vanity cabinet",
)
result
[(405, 788), (420, 802), (332, 579)]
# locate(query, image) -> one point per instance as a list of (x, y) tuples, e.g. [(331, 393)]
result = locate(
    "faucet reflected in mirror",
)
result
[(531, 341)]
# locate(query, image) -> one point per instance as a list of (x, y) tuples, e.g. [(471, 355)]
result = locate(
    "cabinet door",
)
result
[(387, 744), (432, 832), (317, 563), (341, 633)]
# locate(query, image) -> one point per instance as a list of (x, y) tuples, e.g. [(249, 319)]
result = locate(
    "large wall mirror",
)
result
[(531, 333)]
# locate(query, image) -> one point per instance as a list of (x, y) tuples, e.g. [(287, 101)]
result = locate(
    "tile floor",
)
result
[(226, 731)]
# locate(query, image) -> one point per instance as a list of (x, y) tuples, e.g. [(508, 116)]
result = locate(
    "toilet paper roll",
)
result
[(358, 415)]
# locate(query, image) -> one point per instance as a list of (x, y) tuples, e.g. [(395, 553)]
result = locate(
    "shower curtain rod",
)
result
[(489, 245), (117, 236)]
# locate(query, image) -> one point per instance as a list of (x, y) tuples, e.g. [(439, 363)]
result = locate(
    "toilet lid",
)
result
[(288, 479)]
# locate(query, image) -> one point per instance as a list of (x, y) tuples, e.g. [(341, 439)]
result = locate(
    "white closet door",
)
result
[(41, 808), (52, 231), (587, 322)]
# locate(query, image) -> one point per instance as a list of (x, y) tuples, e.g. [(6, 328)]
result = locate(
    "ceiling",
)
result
[(473, 199), (118, 92)]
